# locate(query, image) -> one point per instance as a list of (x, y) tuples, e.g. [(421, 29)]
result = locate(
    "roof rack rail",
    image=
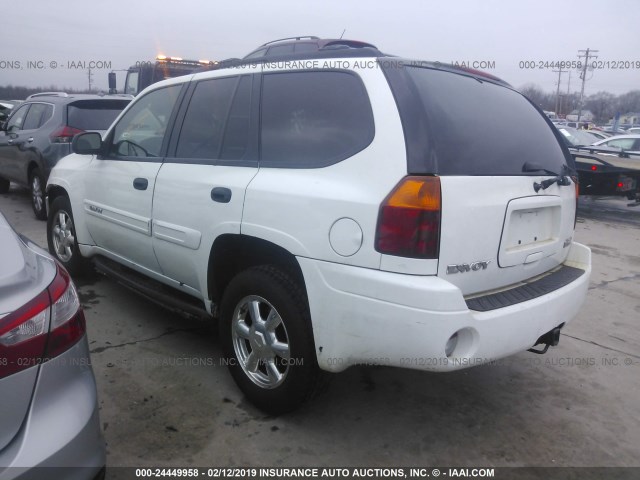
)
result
[(48, 94), (306, 37)]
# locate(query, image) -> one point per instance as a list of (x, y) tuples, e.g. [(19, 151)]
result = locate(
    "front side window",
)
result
[(141, 130), (17, 119), (313, 119), (131, 85)]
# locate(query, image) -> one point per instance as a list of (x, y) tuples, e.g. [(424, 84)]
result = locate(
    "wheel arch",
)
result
[(233, 253)]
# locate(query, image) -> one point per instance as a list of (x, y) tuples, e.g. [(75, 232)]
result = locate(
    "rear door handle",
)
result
[(221, 195), (140, 183)]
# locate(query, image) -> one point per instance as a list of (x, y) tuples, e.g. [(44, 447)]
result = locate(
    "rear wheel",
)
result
[(4, 185), (37, 194), (267, 339), (61, 237)]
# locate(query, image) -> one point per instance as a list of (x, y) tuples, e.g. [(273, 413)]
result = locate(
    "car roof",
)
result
[(633, 136), (62, 97)]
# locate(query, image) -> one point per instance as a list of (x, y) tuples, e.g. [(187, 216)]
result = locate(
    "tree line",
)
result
[(603, 105)]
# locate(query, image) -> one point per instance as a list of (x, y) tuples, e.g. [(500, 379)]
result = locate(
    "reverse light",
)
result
[(409, 219), (45, 327), (64, 134)]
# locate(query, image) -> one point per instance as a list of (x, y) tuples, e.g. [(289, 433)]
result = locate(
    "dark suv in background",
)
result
[(39, 132)]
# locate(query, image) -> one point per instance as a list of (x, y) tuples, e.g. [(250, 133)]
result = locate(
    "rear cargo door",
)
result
[(508, 204)]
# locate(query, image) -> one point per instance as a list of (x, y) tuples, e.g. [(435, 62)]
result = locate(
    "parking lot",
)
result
[(167, 399)]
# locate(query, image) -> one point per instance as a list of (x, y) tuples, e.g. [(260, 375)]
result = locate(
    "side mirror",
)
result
[(112, 82), (88, 143)]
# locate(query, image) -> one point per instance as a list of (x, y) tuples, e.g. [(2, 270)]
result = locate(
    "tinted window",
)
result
[(38, 114), (313, 119), (16, 120), (257, 54), (458, 125), (140, 132), (94, 114), (281, 50), (216, 125), (306, 47)]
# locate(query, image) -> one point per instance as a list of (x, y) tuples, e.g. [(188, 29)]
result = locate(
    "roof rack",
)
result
[(48, 94), (306, 37)]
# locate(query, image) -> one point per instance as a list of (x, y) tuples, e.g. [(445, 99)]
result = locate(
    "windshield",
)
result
[(577, 137), (457, 124)]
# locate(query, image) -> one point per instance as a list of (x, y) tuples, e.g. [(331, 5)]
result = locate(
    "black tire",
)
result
[(37, 186), (4, 185), (269, 288), (61, 237)]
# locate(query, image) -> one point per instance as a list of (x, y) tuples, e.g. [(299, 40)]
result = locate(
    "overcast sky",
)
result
[(500, 32)]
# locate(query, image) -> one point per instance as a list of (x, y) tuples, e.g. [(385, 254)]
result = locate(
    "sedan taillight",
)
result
[(44, 328)]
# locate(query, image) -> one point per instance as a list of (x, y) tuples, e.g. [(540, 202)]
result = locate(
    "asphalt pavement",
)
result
[(167, 400)]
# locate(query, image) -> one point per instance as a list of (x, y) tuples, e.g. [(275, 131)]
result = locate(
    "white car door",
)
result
[(120, 184), (199, 192)]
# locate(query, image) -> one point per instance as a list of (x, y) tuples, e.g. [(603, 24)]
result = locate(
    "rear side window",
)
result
[(38, 115), (216, 124), (458, 125), (94, 114), (313, 119)]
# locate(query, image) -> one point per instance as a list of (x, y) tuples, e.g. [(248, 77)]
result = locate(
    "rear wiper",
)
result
[(561, 178)]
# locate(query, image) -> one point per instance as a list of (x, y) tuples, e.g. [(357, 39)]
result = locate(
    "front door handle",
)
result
[(221, 195), (30, 139), (140, 183)]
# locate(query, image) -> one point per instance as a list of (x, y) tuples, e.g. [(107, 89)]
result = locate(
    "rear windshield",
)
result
[(94, 114), (458, 125)]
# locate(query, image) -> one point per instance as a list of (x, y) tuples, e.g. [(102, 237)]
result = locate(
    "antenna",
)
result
[(343, 33)]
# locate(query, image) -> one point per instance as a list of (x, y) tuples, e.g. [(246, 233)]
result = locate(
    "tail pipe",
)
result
[(549, 339)]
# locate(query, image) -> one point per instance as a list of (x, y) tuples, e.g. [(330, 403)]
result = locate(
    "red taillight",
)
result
[(43, 328), (65, 134), (409, 219), (593, 168)]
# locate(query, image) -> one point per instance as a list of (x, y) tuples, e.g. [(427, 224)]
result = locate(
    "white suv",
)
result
[(334, 209)]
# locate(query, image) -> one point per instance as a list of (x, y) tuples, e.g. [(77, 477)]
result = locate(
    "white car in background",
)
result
[(628, 143)]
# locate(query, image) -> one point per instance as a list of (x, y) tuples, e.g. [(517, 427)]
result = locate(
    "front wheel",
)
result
[(267, 339), (61, 237), (37, 194)]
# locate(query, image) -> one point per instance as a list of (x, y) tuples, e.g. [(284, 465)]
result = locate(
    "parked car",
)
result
[(5, 110), (292, 45), (49, 414), (575, 137), (630, 143), (334, 216), (634, 130), (38, 133)]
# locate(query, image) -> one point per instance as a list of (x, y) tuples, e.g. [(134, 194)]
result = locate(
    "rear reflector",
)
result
[(409, 219), (45, 327)]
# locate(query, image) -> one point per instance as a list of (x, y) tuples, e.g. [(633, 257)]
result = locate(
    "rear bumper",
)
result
[(369, 317), (61, 436)]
